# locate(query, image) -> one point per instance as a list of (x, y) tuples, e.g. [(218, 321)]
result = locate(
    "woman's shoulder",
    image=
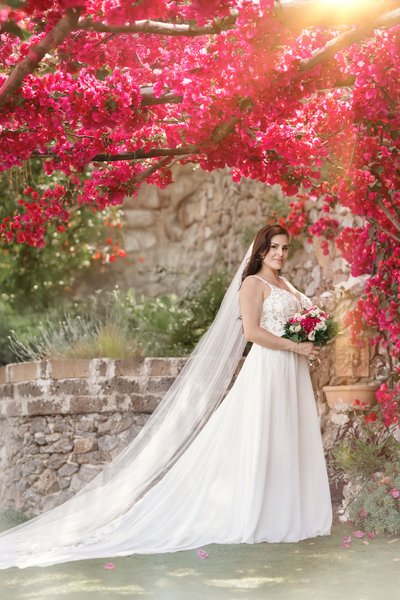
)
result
[(254, 287), (252, 282)]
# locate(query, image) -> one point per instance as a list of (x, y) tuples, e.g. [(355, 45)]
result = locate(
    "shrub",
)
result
[(368, 457), (118, 325)]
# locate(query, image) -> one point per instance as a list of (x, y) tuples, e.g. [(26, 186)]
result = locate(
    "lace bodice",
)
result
[(280, 306)]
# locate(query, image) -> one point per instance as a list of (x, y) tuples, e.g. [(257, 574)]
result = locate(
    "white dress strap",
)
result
[(261, 279)]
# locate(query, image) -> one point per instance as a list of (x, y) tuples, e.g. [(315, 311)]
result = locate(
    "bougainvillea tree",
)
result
[(304, 94)]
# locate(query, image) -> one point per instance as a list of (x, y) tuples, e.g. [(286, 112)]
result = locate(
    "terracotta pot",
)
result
[(342, 397)]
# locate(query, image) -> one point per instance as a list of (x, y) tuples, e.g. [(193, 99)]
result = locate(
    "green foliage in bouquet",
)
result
[(313, 325)]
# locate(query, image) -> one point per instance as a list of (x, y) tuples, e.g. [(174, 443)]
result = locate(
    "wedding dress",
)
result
[(254, 472)]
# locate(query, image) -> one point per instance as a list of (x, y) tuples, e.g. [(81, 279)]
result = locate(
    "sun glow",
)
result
[(330, 12)]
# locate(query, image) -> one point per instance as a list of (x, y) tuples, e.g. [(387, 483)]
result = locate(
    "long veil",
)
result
[(62, 532)]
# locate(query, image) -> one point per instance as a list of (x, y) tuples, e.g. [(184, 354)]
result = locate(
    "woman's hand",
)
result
[(307, 349)]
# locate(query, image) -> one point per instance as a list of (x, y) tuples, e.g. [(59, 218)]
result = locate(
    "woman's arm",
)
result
[(251, 302)]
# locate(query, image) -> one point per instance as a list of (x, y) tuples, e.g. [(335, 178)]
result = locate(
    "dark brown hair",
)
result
[(261, 245)]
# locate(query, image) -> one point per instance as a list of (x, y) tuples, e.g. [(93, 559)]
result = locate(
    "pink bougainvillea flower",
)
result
[(110, 566), (362, 513), (347, 539), (359, 534), (371, 535), (202, 554), (395, 493)]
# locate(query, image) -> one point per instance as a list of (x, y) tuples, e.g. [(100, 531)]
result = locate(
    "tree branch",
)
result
[(379, 226), (137, 155), (35, 54), (161, 28), (148, 98), (346, 39), (152, 169)]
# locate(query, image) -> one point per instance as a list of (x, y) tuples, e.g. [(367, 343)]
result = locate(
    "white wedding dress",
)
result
[(255, 473)]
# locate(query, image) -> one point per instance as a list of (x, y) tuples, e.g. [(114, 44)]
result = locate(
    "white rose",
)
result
[(296, 328), (320, 326), (311, 336)]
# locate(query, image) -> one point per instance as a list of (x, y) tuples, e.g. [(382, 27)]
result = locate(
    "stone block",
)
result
[(23, 390), (40, 439), (161, 367), (47, 483), (85, 425), (121, 422), (85, 444), (68, 469), (145, 403), (120, 385), (104, 426), (64, 445), (10, 408), (70, 368), (139, 219), (33, 499), (87, 472), (52, 437), (159, 385), (60, 425), (101, 366), (96, 457), (39, 425), (56, 461), (149, 197), (172, 228), (108, 443), (28, 469), (131, 367), (27, 371), (85, 404), (3, 375), (69, 387), (6, 391), (44, 406), (140, 240), (64, 483)]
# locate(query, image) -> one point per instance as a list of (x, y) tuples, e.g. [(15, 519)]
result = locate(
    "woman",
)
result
[(249, 469)]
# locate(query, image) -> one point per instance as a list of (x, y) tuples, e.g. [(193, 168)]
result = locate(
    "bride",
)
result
[(209, 466)]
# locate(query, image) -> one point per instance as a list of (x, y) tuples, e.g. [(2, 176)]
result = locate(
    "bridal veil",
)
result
[(180, 416)]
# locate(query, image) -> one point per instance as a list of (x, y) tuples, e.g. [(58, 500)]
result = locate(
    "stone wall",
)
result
[(199, 224), (62, 421)]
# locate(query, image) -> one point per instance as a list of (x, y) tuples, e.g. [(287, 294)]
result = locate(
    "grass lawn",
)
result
[(319, 568)]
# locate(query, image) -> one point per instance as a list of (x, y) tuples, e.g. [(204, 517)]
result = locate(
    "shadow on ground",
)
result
[(317, 568)]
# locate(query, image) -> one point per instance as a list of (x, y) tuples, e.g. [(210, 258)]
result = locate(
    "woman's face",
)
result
[(278, 252)]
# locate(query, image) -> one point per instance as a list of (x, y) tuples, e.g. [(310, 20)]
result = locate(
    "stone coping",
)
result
[(89, 368)]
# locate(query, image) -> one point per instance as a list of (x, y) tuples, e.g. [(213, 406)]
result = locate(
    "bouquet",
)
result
[(313, 325)]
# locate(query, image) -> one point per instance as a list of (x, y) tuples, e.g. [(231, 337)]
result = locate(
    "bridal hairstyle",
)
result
[(261, 246)]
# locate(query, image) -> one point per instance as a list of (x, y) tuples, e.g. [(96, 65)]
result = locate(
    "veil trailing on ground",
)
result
[(63, 532)]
